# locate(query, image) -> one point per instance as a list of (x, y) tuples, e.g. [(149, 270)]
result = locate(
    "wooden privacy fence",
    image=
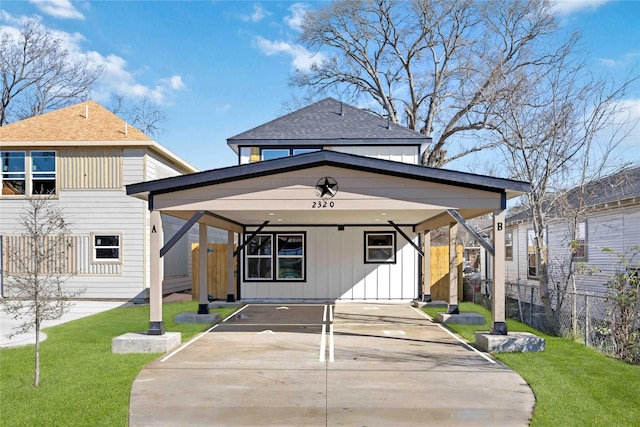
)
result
[(439, 280), (216, 270)]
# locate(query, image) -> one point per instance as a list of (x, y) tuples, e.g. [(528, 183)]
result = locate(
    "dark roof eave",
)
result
[(327, 158)]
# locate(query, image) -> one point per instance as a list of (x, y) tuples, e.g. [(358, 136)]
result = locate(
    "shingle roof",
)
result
[(87, 121), (328, 122), (623, 185)]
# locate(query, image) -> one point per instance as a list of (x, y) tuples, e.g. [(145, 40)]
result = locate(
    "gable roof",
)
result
[(328, 122), (330, 158), (614, 189), (87, 121)]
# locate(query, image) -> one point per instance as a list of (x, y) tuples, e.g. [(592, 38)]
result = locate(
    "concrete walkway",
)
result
[(323, 365), (78, 310)]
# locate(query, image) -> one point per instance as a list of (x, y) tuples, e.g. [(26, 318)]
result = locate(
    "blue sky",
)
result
[(218, 68)]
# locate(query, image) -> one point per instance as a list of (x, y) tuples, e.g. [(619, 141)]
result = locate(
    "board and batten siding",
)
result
[(335, 269), (90, 169), (403, 154)]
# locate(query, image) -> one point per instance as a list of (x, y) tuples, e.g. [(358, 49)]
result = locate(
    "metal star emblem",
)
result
[(326, 188)]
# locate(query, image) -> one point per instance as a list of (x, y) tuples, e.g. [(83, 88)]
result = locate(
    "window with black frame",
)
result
[(380, 247)]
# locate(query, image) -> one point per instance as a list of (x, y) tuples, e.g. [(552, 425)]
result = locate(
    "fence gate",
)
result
[(216, 271)]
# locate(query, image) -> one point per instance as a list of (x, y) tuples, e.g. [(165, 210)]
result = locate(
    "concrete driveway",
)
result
[(329, 365)]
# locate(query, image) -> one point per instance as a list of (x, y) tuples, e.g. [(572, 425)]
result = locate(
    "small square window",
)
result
[(380, 248), (106, 247)]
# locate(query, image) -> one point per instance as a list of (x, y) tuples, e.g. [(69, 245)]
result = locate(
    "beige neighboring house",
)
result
[(85, 156)]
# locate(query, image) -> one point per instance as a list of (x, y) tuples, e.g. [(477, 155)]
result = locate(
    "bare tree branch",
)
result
[(39, 74)]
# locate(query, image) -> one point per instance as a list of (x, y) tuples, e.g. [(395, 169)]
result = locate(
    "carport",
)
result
[(331, 192)]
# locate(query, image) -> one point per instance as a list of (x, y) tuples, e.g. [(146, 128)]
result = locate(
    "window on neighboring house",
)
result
[(287, 261), (43, 172), (380, 247), (106, 247), (533, 263), (13, 173), (580, 251), (276, 153), (508, 245), (40, 177)]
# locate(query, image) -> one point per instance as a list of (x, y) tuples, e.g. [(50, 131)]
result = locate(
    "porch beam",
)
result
[(185, 228), (460, 220), (432, 223), (251, 237), (407, 238)]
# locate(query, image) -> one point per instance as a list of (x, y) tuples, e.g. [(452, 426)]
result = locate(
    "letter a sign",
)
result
[(153, 229)]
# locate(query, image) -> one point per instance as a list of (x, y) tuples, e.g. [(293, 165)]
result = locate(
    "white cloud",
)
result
[(566, 7), (298, 11), (302, 59), (222, 108), (258, 14), (58, 8), (119, 80), (116, 78)]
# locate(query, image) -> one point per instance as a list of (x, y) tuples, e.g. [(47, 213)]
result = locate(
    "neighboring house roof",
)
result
[(610, 191), (330, 158), (85, 124), (328, 122)]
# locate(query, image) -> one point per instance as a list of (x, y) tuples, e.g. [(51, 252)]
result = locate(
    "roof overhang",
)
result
[(370, 192)]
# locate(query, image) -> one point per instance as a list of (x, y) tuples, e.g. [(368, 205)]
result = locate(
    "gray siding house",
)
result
[(610, 219)]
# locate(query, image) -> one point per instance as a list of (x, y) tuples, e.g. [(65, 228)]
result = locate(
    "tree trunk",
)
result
[(36, 370)]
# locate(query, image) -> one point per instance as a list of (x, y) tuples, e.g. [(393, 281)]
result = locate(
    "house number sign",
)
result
[(326, 188)]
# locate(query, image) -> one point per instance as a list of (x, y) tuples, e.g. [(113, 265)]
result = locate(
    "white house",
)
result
[(330, 204), (610, 219), (85, 156)]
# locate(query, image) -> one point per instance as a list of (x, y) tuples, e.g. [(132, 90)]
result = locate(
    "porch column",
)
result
[(499, 326), (453, 269), (156, 274), (426, 271), (203, 276), (230, 276)]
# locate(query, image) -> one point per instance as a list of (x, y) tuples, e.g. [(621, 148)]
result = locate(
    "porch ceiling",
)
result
[(235, 220)]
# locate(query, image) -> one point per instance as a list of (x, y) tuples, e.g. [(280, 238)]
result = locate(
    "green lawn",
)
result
[(574, 385), (82, 383)]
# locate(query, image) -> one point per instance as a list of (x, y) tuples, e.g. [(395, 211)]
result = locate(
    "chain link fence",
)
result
[(581, 317)]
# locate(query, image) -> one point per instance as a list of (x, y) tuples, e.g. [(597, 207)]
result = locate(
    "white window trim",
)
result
[(29, 174), (34, 175), (510, 233), (106, 260)]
